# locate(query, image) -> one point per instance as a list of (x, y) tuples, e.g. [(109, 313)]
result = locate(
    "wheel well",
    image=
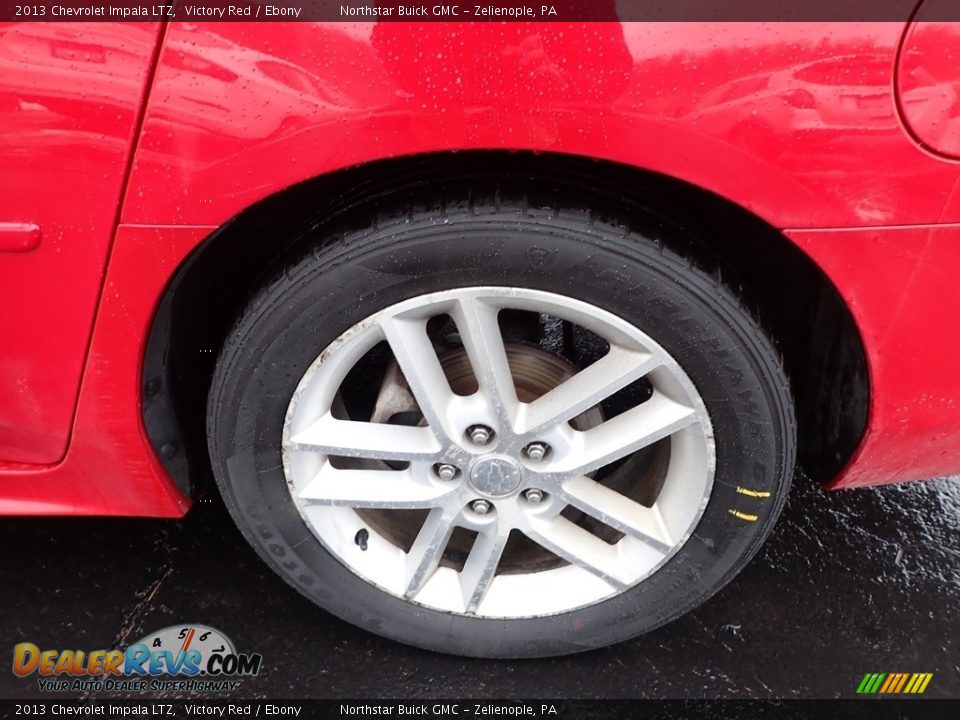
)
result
[(787, 292)]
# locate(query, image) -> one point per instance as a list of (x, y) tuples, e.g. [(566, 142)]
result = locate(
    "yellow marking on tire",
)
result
[(742, 515), (753, 493)]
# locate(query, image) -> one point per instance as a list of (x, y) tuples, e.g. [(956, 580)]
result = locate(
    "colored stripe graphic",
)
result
[(890, 680), (903, 681), (894, 683), (870, 683)]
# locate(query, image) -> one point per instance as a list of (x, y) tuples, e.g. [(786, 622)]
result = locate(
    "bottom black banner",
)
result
[(485, 709)]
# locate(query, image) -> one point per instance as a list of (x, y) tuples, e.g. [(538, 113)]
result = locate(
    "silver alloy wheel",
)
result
[(395, 466)]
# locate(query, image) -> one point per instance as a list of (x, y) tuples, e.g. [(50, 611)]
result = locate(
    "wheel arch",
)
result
[(790, 295)]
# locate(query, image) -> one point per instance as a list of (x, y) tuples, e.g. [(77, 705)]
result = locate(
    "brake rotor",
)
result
[(535, 372)]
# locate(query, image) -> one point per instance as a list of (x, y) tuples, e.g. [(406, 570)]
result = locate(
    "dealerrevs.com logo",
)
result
[(179, 657)]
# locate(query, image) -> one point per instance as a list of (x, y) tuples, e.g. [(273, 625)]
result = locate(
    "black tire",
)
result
[(359, 267)]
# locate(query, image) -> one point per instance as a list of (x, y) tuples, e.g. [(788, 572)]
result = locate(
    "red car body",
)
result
[(123, 146)]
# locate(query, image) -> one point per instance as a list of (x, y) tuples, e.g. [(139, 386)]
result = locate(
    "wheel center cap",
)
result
[(495, 477)]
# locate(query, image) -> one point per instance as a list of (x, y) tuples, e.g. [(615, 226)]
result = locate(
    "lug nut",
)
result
[(536, 451), (479, 434), (445, 471), (480, 507), (534, 496)]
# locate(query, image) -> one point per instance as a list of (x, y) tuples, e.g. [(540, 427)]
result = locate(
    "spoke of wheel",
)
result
[(418, 360), (613, 372), (427, 549), (618, 511), (483, 341), (643, 425), (374, 441), (481, 566), (579, 547), (396, 489)]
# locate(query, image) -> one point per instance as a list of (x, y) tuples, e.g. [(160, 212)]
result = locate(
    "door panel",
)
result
[(70, 97)]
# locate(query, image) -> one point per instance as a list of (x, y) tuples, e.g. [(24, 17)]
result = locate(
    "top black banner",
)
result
[(460, 709), (486, 11)]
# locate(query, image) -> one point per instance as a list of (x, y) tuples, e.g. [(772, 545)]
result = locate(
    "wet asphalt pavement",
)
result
[(851, 582)]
